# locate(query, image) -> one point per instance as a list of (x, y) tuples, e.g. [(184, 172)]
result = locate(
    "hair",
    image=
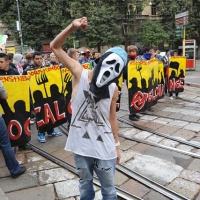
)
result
[(71, 52), (94, 53), (5, 56), (146, 49), (52, 54), (167, 50), (37, 53), (10, 56), (28, 55), (158, 51), (131, 48)]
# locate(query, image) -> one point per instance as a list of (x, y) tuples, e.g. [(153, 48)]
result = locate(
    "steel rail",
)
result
[(157, 133), (194, 155), (151, 184), (144, 180), (183, 120), (120, 192)]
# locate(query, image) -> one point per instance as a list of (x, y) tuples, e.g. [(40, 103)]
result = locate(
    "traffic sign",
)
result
[(181, 19), (179, 32)]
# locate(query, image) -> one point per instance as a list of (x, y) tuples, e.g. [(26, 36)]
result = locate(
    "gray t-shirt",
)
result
[(2, 92)]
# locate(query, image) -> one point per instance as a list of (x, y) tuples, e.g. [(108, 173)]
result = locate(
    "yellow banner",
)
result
[(177, 71), (16, 109)]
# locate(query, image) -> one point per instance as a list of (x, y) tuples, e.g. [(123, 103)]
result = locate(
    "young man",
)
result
[(132, 54), (37, 64), (73, 53), (8, 153), (93, 135)]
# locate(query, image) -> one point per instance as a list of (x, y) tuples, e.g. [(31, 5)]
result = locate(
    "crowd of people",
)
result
[(94, 141), (149, 54)]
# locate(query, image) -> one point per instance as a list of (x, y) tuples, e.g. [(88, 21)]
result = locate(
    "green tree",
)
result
[(168, 9), (42, 19), (151, 33), (33, 20)]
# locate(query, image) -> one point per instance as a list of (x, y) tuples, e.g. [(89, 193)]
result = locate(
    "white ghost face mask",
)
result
[(111, 68), (107, 69)]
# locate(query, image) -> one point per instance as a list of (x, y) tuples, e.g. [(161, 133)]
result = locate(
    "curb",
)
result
[(193, 84)]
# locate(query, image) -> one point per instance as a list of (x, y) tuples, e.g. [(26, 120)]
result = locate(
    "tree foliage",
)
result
[(168, 9), (33, 20), (151, 33), (42, 19)]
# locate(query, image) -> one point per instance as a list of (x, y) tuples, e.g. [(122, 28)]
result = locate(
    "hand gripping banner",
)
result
[(48, 98), (16, 109), (177, 70), (119, 85)]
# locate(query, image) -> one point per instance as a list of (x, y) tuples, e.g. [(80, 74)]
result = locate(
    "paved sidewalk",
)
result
[(45, 180)]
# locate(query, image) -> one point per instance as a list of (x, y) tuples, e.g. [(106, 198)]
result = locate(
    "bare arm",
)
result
[(56, 46), (114, 122)]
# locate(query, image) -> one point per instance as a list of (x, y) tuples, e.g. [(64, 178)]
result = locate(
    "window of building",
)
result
[(153, 10)]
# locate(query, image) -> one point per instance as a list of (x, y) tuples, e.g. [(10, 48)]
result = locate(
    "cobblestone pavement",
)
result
[(45, 180)]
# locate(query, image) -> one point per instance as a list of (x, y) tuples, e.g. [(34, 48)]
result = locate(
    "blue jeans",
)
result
[(105, 170), (8, 153)]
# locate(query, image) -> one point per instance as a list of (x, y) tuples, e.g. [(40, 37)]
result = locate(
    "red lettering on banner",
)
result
[(26, 127), (48, 114), (150, 95), (41, 122), (69, 108), (179, 83), (139, 100), (19, 129), (58, 116), (173, 84), (156, 92)]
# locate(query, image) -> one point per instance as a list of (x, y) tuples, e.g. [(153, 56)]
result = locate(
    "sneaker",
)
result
[(41, 137), (133, 117), (32, 121), (23, 169), (25, 147), (138, 116), (55, 133), (171, 98)]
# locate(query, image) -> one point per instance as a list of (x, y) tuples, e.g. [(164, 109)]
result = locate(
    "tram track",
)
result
[(172, 118), (142, 179), (166, 117), (122, 194), (157, 133)]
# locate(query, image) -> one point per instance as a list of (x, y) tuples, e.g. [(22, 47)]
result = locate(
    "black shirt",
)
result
[(10, 71)]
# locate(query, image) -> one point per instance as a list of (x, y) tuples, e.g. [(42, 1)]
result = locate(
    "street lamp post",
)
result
[(20, 28)]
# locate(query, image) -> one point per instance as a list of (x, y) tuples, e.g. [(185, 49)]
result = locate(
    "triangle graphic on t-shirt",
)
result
[(86, 136), (99, 138)]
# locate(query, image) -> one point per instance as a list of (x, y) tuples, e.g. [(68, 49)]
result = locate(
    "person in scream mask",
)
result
[(93, 133), (132, 54)]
